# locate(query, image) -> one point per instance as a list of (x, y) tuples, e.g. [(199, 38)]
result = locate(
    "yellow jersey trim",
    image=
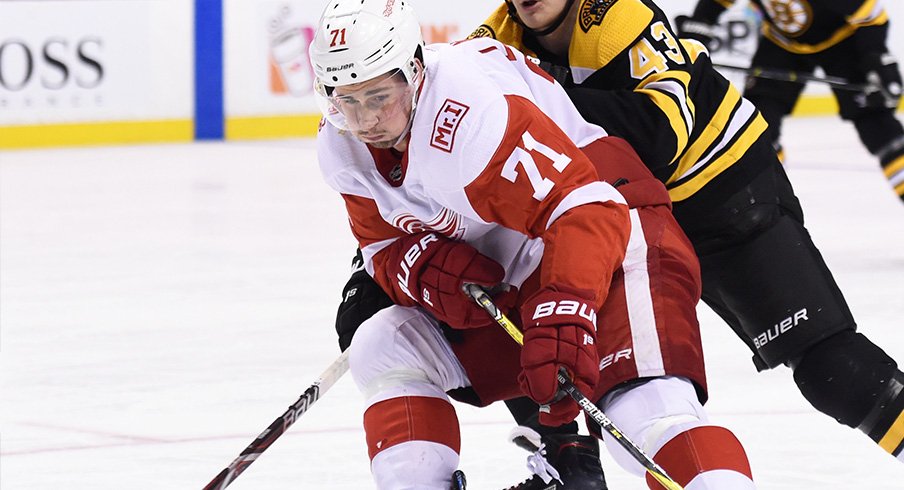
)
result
[(727, 4), (709, 134), (621, 25), (719, 165), (863, 12), (669, 107)]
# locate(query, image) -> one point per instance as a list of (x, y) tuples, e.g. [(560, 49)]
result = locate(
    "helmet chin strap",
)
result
[(513, 13)]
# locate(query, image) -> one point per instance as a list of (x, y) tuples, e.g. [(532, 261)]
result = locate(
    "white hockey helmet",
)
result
[(357, 40)]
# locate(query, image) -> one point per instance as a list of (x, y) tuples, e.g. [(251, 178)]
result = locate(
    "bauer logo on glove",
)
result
[(565, 307), (409, 259), (435, 267)]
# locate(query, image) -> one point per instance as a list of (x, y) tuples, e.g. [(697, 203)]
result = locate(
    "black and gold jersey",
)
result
[(627, 71), (806, 26)]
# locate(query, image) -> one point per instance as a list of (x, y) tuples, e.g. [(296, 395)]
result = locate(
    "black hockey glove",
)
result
[(562, 74), (883, 82), (696, 28), (362, 297)]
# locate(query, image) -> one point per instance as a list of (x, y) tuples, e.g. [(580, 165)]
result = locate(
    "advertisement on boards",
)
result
[(94, 61), (290, 71), (267, 70)]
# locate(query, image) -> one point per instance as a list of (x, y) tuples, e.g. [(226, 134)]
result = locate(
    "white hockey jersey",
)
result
[(493, 159)]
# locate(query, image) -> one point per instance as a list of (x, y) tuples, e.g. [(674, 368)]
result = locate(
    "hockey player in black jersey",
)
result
[(627, 71), (847, 39)]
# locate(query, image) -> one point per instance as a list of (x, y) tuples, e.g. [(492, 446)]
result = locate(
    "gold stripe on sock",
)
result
[(893, 167), (894, 436), (900, 189)]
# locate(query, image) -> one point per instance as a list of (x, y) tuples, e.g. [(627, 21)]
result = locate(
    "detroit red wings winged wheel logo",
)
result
[(447, 222)]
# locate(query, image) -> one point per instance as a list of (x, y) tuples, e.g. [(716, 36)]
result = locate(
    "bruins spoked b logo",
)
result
[(483, 31), (792, 17), (591, 13)]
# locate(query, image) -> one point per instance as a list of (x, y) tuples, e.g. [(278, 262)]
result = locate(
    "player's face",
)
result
[(539, 14), (376, 111)]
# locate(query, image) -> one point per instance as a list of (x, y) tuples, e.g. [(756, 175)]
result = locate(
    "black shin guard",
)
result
[(854, 381)]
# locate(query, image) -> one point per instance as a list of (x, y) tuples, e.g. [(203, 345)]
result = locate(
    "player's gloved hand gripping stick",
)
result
[(485, 302)]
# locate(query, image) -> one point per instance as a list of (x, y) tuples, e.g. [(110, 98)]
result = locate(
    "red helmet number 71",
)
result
[(337, 37)]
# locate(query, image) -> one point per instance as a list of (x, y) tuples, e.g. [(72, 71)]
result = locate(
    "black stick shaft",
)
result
[(793, 76), (281, 424)]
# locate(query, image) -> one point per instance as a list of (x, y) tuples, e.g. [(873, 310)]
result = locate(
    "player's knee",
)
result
[(395, 352), (369, 353), (759, 206), (650, 414), (754, 219), (843, 376)]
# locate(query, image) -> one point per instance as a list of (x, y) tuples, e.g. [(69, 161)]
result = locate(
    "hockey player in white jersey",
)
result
[(466, 163)]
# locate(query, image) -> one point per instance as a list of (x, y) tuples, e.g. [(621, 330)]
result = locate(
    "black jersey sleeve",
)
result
[(636, 118), (853, 10), (710, 10)]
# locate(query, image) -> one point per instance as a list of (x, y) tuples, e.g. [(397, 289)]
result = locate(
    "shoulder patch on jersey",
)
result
[(483, 31), (501, 27), (591, 13), (608, 33), (446, 124)]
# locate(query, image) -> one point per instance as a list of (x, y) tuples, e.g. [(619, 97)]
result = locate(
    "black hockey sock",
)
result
[(883, 135), (855, 382), (885, 423), (891, 156)]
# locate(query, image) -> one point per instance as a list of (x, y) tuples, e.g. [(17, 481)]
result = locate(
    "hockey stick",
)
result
[(280, 425), (656, 471), (793, 76)]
